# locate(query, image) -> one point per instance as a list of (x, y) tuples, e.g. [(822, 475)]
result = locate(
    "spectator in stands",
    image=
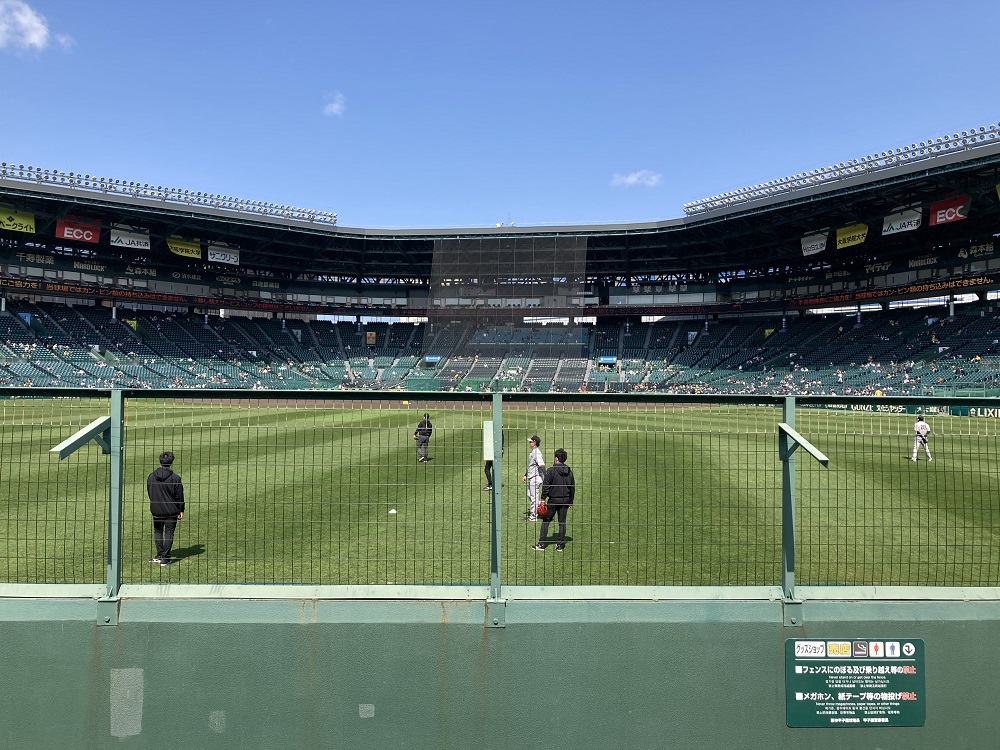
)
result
[(533, 476), (558, 492), (423, 436), (166, 504), (921, 430)]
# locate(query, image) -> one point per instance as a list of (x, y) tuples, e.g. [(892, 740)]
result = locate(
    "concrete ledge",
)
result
[(898, 593), (641, 593), (297, 592), (52, 590)]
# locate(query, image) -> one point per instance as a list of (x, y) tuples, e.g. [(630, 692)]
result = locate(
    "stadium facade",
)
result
[(79, 236), (906, 224)]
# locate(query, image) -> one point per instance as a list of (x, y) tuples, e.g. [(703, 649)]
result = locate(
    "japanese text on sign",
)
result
[(854, 683)]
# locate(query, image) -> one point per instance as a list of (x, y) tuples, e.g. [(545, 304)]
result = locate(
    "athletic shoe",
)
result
[(539, 548), (165, 561), (913, 459), (488, 488), (560, 547), (531, 519), (930, 459), (154, 560)]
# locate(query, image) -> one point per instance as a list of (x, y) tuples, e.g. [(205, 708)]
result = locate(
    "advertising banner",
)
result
[(17, 221), (952, 209), (371, 337), (78, 228), (184, 248), (976, 250), (904, 221), (223, 254), (855, 234), (134, 238), (813, 244)]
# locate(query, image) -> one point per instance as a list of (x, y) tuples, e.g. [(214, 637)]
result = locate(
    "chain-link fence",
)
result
[(306, 490), (53, 515), (330, 489), (884, 513), (668, 493)]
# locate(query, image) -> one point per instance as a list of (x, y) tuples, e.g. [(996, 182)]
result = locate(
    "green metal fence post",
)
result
[(116, 494), (496, 495), (496, 607), (786, 452)]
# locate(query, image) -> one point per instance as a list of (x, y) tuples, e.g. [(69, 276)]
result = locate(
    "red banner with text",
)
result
[(949, 210), (78, 228)]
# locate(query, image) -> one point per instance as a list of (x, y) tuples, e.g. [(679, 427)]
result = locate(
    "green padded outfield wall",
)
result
[(254, 674)]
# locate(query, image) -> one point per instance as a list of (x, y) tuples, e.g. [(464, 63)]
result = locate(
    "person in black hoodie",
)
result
[(166, 504), (558, 491)]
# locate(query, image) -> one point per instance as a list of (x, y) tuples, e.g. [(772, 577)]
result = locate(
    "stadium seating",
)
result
[(896, 352)]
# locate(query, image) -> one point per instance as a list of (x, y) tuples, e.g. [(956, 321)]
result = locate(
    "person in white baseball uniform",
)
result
[(533, 476), (921, 430)]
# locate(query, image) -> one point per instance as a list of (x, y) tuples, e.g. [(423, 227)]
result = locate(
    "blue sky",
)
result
[(453, 114)]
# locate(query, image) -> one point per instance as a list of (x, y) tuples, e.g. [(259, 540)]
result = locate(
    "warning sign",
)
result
[(855, 683)]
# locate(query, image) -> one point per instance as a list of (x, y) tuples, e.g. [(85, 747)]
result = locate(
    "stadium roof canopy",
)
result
[(755, 229)]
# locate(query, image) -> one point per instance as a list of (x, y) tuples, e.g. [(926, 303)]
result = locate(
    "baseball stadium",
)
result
[(739, 392)]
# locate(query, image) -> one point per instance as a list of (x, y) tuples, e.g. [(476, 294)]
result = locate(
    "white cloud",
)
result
[(335, 105), (21, 27), (644, 177)]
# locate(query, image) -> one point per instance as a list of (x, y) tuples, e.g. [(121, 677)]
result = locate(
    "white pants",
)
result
[(534, 488), (916, 446)]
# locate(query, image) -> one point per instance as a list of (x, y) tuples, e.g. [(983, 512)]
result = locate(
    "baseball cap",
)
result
[(535, 439)]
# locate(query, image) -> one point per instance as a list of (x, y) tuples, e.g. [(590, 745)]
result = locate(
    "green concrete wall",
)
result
[(256, 674)]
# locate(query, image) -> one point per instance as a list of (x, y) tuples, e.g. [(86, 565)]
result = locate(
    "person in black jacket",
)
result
[(166, 504), (558, 491), (423, 436)]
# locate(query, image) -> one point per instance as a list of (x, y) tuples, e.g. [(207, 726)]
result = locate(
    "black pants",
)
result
[(554, 510), (163, 535), (488, 471), (422, 441)]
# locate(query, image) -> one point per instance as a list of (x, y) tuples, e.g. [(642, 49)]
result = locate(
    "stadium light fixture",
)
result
[(106, 185), (927, 149)]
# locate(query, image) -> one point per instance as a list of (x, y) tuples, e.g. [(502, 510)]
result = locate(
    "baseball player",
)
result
[(920, 432), (533, 476)]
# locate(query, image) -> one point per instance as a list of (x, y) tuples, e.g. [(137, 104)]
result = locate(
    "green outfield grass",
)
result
[(300, 492)]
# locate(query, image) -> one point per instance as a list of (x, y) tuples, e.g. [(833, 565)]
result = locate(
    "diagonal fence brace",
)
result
[(787, 448), (99, 431)]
